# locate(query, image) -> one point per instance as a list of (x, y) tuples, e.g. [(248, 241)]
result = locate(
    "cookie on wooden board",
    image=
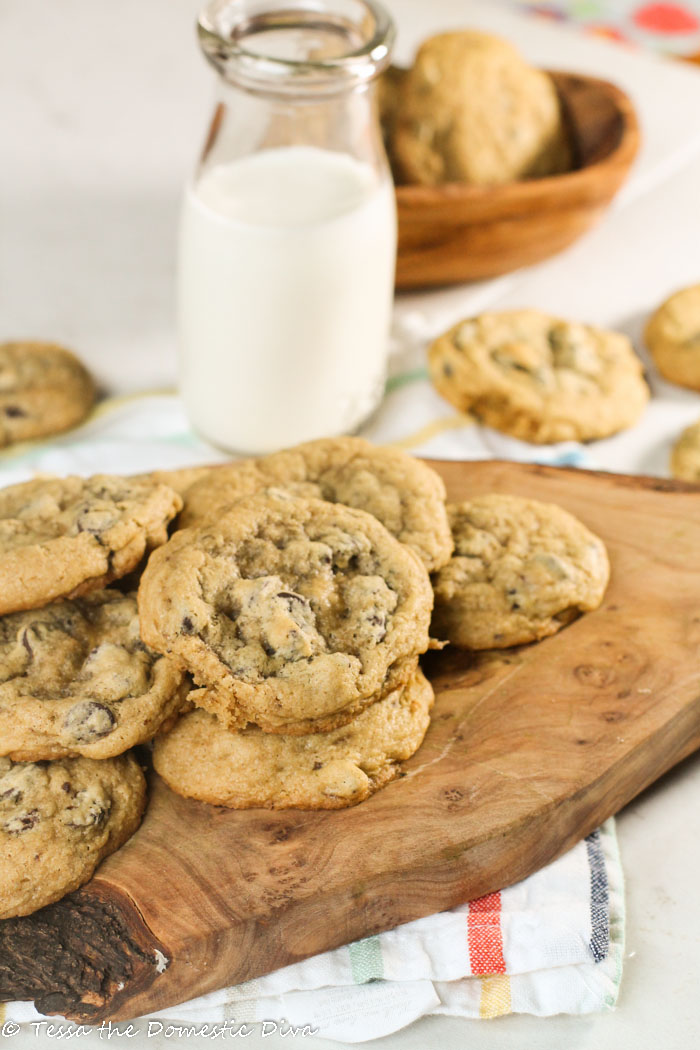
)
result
[(521, 570), (58, 820), (63, 537), (287, 609), (76, 679), (181, 479), (402, 492), (244, 769)]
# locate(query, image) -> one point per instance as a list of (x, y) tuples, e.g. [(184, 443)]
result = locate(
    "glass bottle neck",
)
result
[(297, 48)]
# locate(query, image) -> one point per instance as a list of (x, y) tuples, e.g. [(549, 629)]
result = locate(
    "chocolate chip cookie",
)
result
[(201, 759), (520, 571), (58, 820), (685, 455), (67, 536), (400, 491), (44, 389), (76, 679), (472, 110), (287, 609), (539, 378), (673, 337)]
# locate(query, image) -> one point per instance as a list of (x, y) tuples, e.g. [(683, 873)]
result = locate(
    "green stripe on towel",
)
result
[(366, 960), (395, 382)]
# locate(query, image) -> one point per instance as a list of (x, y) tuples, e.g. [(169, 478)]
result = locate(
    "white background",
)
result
[(102, 111)]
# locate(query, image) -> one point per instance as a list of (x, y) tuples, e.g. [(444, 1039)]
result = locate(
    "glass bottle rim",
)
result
[(224, 25)]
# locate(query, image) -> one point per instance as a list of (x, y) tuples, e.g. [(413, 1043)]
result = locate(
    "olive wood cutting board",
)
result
[(529, 750)]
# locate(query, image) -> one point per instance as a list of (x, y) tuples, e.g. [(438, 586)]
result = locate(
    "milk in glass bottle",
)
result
[(288, 233)]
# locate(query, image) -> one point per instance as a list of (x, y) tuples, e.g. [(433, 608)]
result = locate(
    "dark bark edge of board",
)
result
[(75, 957)]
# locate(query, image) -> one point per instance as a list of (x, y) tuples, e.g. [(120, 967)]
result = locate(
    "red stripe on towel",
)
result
[(484, 935)]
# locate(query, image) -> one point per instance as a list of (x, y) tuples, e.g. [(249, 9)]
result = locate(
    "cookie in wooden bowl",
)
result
[(553, 187), (472, 110)]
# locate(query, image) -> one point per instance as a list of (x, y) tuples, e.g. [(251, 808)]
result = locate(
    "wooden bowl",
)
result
[(456, 232)]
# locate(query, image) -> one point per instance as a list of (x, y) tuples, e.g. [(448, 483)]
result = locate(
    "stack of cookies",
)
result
[(298, 597), (78, 687), (297, 592)]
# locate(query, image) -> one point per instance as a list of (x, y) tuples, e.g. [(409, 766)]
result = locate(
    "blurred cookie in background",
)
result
[(44, 389), (471, 109), (540, 378), (673, 337), (685, 455)]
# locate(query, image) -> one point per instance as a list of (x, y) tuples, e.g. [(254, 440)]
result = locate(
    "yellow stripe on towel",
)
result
[(426, 433), (495, 996)]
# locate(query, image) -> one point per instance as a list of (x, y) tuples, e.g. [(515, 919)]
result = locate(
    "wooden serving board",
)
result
[(529, 750)]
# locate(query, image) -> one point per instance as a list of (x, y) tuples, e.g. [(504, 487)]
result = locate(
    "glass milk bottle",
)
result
[(288, 233)]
